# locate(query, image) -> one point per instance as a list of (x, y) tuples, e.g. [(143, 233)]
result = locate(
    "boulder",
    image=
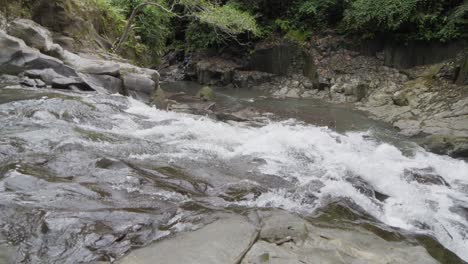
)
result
[(215, 71), (425, 176), (46, 75), (9, 47), (101, 68), (33, 34), (224, 241), (16, 57), (399, 98), (447, 145), (71, 83), (28, 82), (103, 83), (90, 66), (139, 83), (206, 94), (67, 43)]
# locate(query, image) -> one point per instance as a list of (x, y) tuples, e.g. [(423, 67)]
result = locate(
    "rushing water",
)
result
[(85, 177)]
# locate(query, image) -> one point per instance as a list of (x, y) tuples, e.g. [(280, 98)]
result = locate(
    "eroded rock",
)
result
[(223, 241), (33, 34)]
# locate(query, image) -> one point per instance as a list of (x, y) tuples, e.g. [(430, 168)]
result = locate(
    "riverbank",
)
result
[(427, 102), (91, 175)]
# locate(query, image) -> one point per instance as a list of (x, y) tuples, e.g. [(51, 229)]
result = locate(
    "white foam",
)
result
[(306, 152)]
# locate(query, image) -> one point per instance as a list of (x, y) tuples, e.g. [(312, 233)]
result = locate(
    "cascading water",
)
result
[(66, 157)]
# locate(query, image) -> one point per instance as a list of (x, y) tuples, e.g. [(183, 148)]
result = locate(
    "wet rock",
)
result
[(28, 82), (159, 99), (3, 21), (69, 82), (365, 188), (223, 241), (67, 43), (6, 79), (100, 67), (7, 252), (242, 190), (33, 34), (206, 94), (447, 145), (46, 75), (16, 57), (330, 245), (400, 99), (40, 83), (247, 79), (198, 108), (424, 176), (244, 115), (103, 83), (215, 71), (279, 225), (138, 83)]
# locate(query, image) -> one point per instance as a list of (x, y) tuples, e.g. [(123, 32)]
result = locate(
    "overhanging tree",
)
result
[(226, 20)]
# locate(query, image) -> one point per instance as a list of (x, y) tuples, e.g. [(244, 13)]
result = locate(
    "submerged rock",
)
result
[(206, 94), (424, 176)]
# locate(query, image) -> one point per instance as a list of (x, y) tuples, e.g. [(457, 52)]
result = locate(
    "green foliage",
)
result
[(381, 14), (16, 8), (200, 36), (110, 19), (407, 19), (151, 27), (229, 19)]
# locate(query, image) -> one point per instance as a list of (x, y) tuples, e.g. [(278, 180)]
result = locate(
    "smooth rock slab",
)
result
[(224, 241), (328, 245)]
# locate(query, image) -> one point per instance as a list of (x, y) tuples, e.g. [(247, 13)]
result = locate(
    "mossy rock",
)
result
[(206, 94)]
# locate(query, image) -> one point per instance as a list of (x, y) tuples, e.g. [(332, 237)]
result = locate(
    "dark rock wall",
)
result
[(419, 53), (275, 59)]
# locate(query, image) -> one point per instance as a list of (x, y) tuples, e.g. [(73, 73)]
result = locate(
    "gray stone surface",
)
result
[(139, 83), (224, 241), (327, 245), (278, 225), (33, 34), (103, 83)]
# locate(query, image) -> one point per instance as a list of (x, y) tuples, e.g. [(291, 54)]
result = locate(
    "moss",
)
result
[(438, 252), (93, 135), (206, 94)]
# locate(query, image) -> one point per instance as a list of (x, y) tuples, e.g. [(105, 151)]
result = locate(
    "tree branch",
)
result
[(132, 17)]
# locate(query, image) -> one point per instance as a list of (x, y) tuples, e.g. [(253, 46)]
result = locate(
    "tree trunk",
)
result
[(132, 17)]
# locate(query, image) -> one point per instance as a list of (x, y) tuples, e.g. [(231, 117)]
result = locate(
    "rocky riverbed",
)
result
[(90, 173), (428, 102)]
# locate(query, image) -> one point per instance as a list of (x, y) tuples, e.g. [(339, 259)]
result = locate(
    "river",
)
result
[(86, 177)]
